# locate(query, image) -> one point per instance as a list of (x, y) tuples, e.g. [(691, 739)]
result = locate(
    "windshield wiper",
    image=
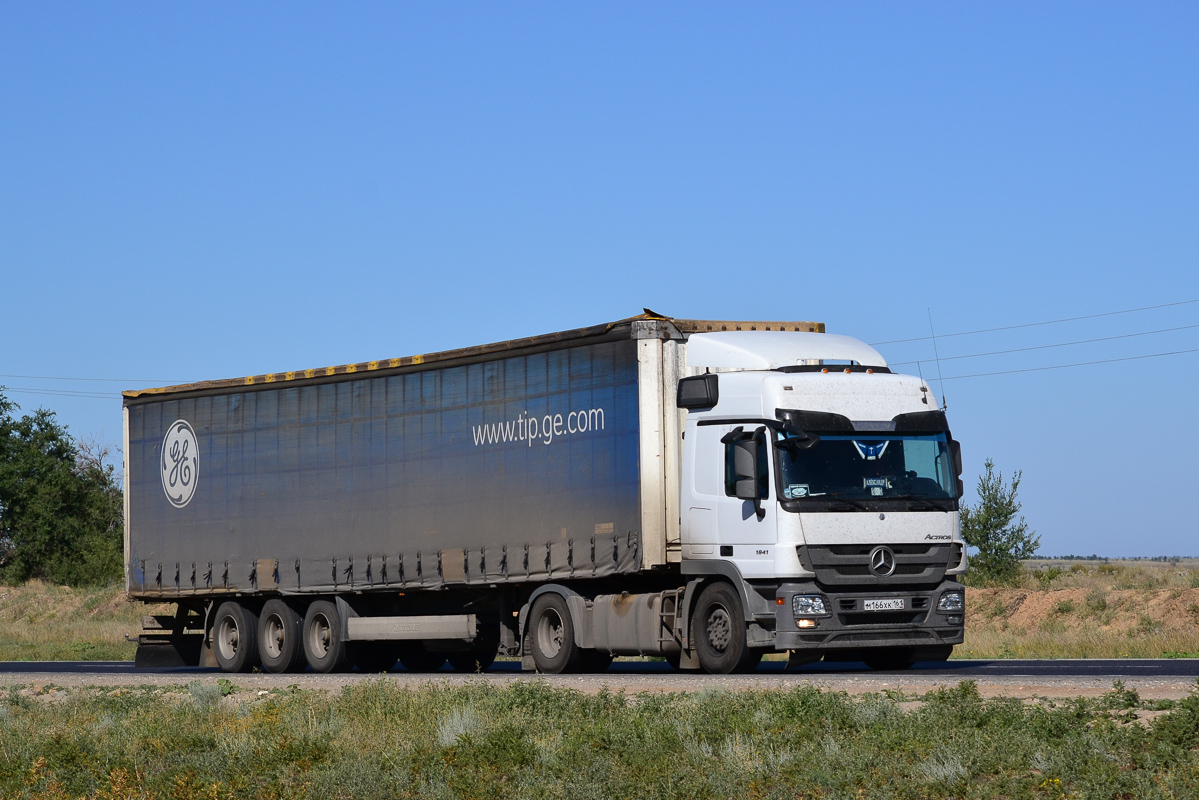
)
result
[(915, 498), (841, 498)]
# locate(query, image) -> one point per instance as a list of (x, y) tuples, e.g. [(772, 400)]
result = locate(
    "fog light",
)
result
[(808, 604), (952, 601), (807, 623), (954, 620)]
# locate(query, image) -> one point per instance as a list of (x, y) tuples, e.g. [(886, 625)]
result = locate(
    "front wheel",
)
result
[(718, 632), (553, 635)]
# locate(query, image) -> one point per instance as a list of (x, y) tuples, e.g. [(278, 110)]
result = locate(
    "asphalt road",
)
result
[(1173, 668)]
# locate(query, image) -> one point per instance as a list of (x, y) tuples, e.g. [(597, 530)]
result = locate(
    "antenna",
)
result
[(944, 405), (923, 385)]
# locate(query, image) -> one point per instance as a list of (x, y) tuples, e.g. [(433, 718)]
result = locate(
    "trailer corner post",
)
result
[(126, 457), (651, 457)]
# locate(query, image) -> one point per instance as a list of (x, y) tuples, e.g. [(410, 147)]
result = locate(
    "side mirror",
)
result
[(955, 448), (745, 467), (698, 391)]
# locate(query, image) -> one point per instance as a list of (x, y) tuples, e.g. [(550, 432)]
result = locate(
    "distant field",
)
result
[(530, 740), (1063, 609)]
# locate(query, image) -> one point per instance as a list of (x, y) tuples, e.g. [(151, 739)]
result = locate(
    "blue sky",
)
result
[(202, 191)]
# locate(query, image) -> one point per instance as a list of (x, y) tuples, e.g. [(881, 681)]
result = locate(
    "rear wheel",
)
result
[(235, 637), (417, 658), (718, 632), (280, 631), (323, 647), (553, 636)]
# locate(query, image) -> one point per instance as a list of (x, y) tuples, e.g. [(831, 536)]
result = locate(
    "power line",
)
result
[(1035, 324), (61, 392), (1078, 364), (1061, 344), (102, 380)]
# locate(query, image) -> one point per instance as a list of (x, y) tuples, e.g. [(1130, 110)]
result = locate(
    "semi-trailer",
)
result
[(704, 491)]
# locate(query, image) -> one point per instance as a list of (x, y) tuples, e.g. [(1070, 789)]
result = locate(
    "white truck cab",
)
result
[(830, 486)]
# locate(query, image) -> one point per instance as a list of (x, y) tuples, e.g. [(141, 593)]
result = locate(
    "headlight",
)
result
[(951, 601), (805, 605)]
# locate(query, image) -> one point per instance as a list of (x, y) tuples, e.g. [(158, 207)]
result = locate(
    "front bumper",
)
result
[(848, 626)]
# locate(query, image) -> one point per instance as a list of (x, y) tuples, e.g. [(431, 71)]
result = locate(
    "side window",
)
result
[(730, 474)]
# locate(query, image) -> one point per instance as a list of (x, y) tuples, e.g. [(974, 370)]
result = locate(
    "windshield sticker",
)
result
[(871, 450), (876, 485), (796, 490)]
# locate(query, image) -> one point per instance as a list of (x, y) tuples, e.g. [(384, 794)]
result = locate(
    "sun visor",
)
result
[(775, 349)]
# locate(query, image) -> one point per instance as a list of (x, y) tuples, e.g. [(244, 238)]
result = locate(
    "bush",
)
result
[(61, 509), (990, 527)]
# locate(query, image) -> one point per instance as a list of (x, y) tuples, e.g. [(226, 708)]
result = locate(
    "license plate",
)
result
[(895, 604)]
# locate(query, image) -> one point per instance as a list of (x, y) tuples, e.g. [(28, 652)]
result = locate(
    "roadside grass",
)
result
[(531, 740)]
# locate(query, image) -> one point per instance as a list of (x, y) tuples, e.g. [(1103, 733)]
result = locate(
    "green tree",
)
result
[(61, 514), (991, 527)]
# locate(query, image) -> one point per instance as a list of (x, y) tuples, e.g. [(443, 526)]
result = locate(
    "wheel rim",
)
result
[(320, 636), (227, 638), (276, 636), (720, 629), (550, 633)]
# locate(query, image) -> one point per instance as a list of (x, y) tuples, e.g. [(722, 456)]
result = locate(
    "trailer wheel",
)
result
[(280, 629), (718, 632), (323, 647), (553, 635), (417, 658), (235, 637)]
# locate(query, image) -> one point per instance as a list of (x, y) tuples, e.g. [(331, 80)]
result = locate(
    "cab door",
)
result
[(744, 524)]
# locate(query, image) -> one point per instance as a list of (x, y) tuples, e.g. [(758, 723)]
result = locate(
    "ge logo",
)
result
[(179, 463)]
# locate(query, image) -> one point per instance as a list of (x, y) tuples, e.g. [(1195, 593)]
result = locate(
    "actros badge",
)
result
[(180, 463)]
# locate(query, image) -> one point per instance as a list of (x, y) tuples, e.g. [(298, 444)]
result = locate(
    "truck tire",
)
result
[(718, 632), (552, 633), (280, 629), (417, 658), (323, 648), (235, 637), (374, 656)]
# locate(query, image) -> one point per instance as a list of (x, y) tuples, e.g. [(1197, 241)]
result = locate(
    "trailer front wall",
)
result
[(416, 479)]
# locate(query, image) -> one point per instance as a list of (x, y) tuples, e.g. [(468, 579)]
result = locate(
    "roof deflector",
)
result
[(775, 349)]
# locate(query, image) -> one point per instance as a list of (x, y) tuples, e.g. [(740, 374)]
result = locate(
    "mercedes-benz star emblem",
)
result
[(882, 561)]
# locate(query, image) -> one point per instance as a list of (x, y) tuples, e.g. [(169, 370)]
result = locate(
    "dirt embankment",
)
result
[(1113, 612)]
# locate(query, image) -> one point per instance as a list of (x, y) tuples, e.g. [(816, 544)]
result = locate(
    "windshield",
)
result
[(867, 466)]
